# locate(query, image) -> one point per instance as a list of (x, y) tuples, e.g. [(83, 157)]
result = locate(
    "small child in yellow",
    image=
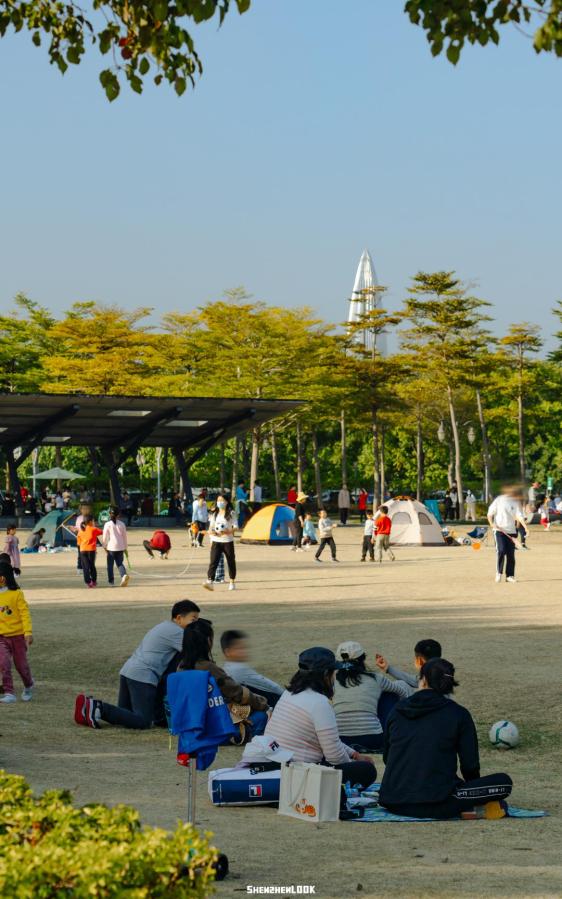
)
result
[(15, 636)]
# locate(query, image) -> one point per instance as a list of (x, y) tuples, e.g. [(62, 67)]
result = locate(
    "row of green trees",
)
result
[(452, 403)]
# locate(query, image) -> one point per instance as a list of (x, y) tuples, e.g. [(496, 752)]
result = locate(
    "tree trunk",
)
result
[(165, 470), (275, 463), (245, 459), (58, 463), (222, 472), (299, 458), (485, 450), (382, 466), (317, 473), (457, 445), (376, 472), (254, 461), (419, 460), (343, 448), (175, 476), (94, 460), (234, 481)]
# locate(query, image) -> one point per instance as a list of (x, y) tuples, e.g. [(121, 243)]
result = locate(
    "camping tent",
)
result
[(413, 524), (272, 524), (55, 533)]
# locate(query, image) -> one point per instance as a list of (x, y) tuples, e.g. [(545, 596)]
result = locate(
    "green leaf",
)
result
[(144, 66), (453, 53), (160, 10), (73, 56), (243, 5), (180, 86), (110, 84)]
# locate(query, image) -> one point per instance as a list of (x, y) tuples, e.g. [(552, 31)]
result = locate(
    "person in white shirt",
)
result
[(470, 506), (325, 530), (222, 525), (368, 531), (504, 516), (258, 494), (344, 502), (114, 541), (199, 520), (304, 722)]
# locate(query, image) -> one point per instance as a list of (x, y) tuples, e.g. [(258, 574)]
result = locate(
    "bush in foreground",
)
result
[(49, 848)]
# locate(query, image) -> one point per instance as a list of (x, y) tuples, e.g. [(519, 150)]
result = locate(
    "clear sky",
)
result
[(319, 128)]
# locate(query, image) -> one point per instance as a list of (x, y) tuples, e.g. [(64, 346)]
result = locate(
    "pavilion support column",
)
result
[(184, 473), (113, 472), (15, 486)]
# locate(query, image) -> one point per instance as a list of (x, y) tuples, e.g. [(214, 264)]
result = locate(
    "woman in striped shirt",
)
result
[(356, 698), (303, 721)]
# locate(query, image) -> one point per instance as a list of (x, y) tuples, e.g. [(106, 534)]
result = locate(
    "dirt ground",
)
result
[(503, 638)]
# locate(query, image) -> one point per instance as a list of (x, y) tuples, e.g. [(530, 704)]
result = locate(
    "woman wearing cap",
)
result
[(356, 698), (298, 523), (303, 721), (426, 736)]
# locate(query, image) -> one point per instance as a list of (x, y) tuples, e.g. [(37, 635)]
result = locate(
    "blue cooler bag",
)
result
[(244, 786)]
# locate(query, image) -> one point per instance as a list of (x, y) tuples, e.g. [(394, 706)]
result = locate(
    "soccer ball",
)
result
[(504, 735), (220, 526)]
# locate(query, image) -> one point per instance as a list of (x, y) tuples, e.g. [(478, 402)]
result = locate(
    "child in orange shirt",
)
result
[(87, 538), (15, 636)]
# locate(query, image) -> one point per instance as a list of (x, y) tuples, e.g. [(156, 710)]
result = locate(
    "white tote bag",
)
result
[(310, 792)]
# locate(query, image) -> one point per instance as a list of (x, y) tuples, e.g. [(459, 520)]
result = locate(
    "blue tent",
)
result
[(272, 525), (56, 534)]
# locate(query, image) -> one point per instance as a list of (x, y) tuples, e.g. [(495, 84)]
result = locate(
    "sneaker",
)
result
[(363, 560), (91, 584), (8, 697), (293, 549), (316, 559), (220, 580), (111, 583), (335, 560), (208, 585), (232, 586), (27, 693), (80, 709), (498, 578), (124, 580), (92, 712), (511, 580)]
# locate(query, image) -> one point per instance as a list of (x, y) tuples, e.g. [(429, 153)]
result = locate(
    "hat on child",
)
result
[(301, 497), (350, 650), (265, 749)]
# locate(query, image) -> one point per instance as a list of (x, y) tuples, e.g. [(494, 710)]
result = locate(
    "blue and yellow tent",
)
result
[(272, 525)]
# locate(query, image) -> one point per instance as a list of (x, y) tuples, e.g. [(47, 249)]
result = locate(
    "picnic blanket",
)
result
[(367, 809)]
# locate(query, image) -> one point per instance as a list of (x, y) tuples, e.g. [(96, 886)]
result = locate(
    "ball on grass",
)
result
[(504, 735)]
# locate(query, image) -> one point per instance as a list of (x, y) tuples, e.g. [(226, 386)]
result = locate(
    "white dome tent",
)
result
[(413, 524)]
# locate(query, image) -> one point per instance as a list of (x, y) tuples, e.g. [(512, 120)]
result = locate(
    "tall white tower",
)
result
[(362, 300)]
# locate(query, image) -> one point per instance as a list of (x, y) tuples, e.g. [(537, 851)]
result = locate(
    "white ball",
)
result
[(220, 526), (504, 735)]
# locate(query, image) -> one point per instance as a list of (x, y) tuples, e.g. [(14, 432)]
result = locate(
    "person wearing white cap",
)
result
[(303, 721), (357, 692)]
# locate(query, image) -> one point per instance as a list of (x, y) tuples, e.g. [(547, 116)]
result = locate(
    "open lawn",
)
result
[(505, 640)]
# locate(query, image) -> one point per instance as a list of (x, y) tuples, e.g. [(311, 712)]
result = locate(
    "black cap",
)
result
[(318, 658)]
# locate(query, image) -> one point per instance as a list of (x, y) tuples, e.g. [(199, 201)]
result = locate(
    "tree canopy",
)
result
[(154, 38)]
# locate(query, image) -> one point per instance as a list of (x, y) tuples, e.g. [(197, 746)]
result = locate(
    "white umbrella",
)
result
[(58, 474)]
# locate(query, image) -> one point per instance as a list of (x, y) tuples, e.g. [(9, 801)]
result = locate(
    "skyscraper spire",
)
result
[(362, 300)]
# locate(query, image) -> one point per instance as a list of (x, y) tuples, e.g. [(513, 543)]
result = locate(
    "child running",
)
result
[(368, 532), (234, 645), (383, 527), (325, 530), (15, 636)]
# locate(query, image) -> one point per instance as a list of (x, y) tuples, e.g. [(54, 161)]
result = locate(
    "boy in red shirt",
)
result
[(383, 526), (159, 541), (87, 538)]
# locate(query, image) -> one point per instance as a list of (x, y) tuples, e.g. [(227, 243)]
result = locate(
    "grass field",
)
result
[(504, 639)]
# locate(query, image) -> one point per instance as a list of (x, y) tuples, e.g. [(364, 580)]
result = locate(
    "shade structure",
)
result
[(270, 525), (58, 474), (413, 524)]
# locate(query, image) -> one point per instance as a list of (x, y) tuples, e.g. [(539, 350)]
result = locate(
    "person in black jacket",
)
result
[(424, 736)]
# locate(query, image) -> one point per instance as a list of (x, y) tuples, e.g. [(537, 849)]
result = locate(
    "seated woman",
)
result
[(303, 721), (196, 656), (424, 736), (356, 698)]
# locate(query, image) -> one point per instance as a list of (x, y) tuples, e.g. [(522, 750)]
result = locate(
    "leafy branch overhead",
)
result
[(142, 38), (152, 38)]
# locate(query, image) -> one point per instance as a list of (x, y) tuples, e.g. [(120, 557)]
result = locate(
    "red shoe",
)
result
[(92, 712), (80, 709)]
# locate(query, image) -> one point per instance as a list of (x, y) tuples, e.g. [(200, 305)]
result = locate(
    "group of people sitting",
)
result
[(335, 710)]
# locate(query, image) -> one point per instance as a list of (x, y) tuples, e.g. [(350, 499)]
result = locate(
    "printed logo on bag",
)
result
[(255, 791), (305, 808)]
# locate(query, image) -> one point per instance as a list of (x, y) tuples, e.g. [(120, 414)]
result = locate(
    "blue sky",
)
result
[(319, 128)]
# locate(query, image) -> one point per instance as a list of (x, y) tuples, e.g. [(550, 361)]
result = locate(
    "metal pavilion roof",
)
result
[(117, 421)]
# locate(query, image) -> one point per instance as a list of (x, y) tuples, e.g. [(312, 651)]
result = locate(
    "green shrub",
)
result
[(49, 848)]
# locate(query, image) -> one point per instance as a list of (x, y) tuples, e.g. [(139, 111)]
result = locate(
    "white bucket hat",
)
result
[(350, 650), (265, 749)]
